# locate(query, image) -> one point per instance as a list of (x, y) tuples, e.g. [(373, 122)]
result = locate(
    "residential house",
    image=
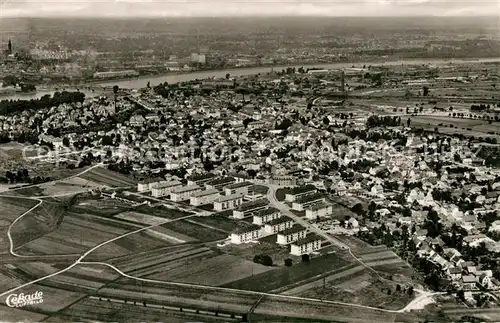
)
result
[(469, 282), (201, 179), (299, 192), (246, 234), (228, 202), (319, 210), (284, 180), (267, 215), (164, 189), (293, 234), (280, 224), (184, 193), (248, 208), (306, 245), (204, 197)]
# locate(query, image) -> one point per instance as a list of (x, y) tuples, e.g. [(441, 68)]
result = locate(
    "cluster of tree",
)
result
[(376, 121), (265, 260), (20, 176), (10, 80), (10, 106), (121, 167), (284, 125), (480, 107)]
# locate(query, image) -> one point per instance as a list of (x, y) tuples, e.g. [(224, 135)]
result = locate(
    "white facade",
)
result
[(278, 225), (228, 202), (305, 246), (251, 234), (242, 188), (297, 232), (184, 193), (165, 188), (302, 205), (318, 211), (292, 197), (262, 218), (204, 197)]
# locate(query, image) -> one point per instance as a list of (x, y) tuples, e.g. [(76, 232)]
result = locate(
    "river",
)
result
[(142, 81)]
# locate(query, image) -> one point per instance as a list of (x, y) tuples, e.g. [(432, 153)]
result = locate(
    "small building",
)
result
[(280, 224), (184, 193), (204, 197), (164, 189), (285, 180), (306, 245), (267, 215), (248, 208), (293, 234), (201, 179), (469, 282), (220, 183), (242, 187), (307, 201), (246, 234), (299, 192), (148, 184), (319, 210), (228, 202)]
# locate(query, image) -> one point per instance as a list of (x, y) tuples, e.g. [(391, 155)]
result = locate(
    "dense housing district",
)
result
[(298, 190)]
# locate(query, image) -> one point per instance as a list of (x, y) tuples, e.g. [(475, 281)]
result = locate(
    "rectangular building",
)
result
[(244, 188), (184, 193), (285, 180), (204, 197), (307, 201), (164, 189), (148, 184), (248, 208), (297, 232), (220, 183), (201, 179), (318, 211), (280, 224), (306, 245), (228, 202), (246, 234), (299, 192), (267, 215)]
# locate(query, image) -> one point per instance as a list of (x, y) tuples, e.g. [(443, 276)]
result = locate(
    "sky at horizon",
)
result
[(211, 8)]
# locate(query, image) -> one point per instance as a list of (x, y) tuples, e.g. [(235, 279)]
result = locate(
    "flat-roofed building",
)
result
[(310, 243), (298, 192), (293, 234), (246, 234), (201, 179), (184, 193), (228, 202), (280, 224), (242, 187), (148, 184), (307, 201), (267, 215), (164, 189), (204, 197), (248, 208), (284, 180), (319, 210), (220, 183)]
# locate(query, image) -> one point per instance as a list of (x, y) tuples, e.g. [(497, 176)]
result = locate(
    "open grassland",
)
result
[(248, 250), (221, 222), (196, 231), (12, 314), (467, 127), (284, 276), (106, 177), (214, 271), (99, 206), (161, 212), (10, 209)]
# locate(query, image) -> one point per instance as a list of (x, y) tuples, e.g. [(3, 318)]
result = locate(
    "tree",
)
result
[(305, 258), (288, 262), (66, 141), (228, 76), (358, 208), (398, 288), (410, 291), (426, 90), (408, 122), (115, 92)]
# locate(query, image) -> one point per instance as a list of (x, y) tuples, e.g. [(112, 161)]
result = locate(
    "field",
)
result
[(215, 271), (468, 127), (220, 222), (264, 246), (161, 211), (107, 177), (284, 276), (196, 231)]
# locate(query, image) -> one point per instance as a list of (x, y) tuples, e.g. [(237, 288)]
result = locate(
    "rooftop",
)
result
[(249, 228), (280, 220), (253, 205), (201, 177), (226, 198), (238, 185), (303, 189), (225, 180), (270, 210), (310, 198), (206, 192), (296, 228), (185, 189), (168, 184), (310, 238)]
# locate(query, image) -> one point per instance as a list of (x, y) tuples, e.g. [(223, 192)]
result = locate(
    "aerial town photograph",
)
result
[(249, 161)]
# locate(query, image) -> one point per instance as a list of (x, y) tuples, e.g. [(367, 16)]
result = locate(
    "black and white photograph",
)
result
[(264, 161)]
